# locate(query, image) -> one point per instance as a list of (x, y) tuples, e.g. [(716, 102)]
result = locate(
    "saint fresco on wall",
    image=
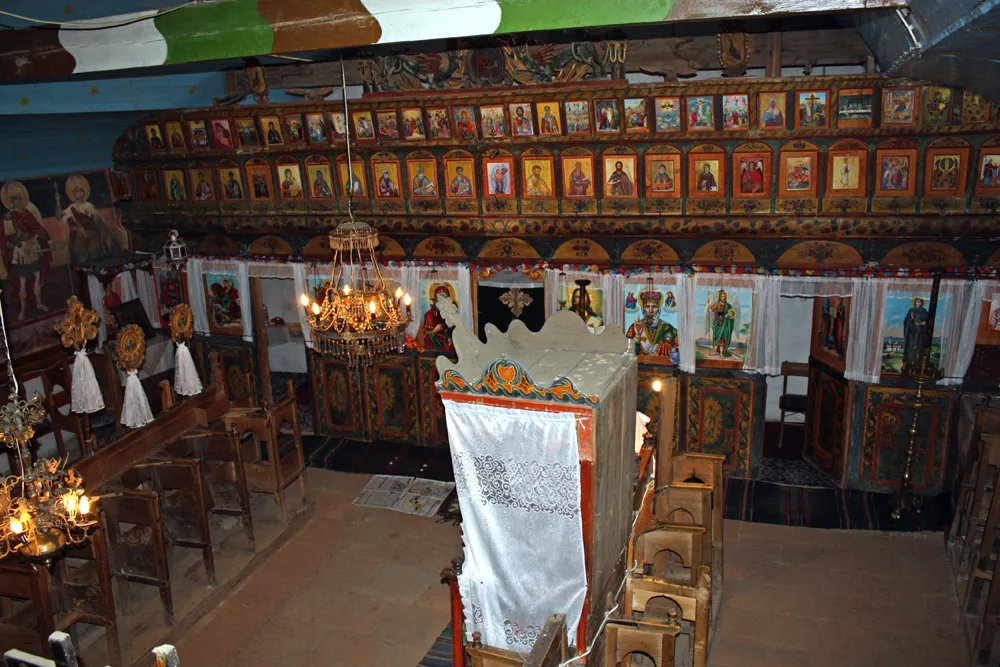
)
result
[(651, 321), (586, 302), (435, 333), (48, 225), (222, 299), (905, 330), (722, 319)]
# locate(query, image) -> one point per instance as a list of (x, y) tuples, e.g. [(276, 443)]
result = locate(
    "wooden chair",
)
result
[(57, 383), (693, 605), (691, 505), (183, 506), (27, 618), (272, 458), (83, 582), (791, 403), (138, 553), (670, 552), (623, 639), (968, 502), (222, 470)]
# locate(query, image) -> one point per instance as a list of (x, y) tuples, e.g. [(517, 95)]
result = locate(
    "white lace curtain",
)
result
[(196, 270), (517, 475), (612, 286)]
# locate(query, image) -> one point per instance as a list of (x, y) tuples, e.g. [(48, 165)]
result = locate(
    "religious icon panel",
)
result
[(619, 175), (222, 134), (386, 179), (701, 113), (905, 333), (246, 131), (538, 173), (607, 117), (895, 176), (705, 177), (854, 107), (548, 119), (520, 120), (494, 123), (438, 124), (465, 122), (222, 300), (899, 106), (155, 137), (388, 125), (460, 175), (364, 127), (316, 128), (320, 181), (199, 133), (230, 182), (663, 172), (272, 130), (636, 115), (668, 114), (149, 185), (752, 175), (946, 171), (261, 185), (722, 323), (577, 117), (812, 109), (423, 177), (295, 130), (771, 114), (578, 175), (201, 184), (413, 125), (352, 183), (175, 182), (651, 321), (798, 174), (735, 112), (175, 136), (988, 171), (499, 176), (290, 177), (338, 125), (434, 332), (936, 108)]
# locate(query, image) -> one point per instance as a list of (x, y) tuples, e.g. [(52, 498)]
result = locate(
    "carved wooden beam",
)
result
[(242, 28)]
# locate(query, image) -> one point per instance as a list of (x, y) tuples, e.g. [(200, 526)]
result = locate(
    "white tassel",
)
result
[(186, 380), (85, 392), (135, 412)]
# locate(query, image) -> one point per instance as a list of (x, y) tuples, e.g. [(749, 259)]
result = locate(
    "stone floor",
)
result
[(359, 587)]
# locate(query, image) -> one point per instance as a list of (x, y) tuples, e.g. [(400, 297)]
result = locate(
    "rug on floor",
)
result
[(793, 473), (764, 502), (380, 457), (439, 654)]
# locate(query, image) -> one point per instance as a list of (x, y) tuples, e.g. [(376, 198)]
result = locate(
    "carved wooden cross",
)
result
[(516, 300)]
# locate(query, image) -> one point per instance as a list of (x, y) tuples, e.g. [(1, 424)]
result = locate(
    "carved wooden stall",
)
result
[(590, 383)]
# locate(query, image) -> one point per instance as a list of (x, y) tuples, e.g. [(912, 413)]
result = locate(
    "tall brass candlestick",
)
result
[(922, 373)]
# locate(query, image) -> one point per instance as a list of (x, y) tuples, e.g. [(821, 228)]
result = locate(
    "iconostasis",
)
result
[(682, 206)]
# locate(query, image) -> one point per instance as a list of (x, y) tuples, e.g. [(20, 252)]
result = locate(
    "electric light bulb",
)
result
[(399, 293), (407, 300), (347, 290), (70, 501), (315, 308), (84, 505), (305, 300), (657, 385), (16, 527), (371, 306)]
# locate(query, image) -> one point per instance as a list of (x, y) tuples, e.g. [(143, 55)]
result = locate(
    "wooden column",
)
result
[(260, 340), (773, 67)]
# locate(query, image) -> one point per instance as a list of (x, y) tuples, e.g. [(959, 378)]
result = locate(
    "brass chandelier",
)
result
[(43, 509), (357, 319)]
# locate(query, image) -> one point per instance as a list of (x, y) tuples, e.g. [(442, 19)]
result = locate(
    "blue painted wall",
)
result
[(46, 145)]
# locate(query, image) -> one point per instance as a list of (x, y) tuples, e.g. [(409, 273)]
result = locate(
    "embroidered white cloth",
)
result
[(186, 381), (135, 411), (517, 473), (86, 393)]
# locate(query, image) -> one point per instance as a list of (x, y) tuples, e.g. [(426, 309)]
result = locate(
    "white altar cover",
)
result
[(517, 473)]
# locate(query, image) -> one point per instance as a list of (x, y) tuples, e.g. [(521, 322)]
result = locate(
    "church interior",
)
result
[(499, 333)]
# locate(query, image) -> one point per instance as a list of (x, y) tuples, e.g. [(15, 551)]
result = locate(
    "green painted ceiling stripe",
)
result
[(220, 30), (526, 15)]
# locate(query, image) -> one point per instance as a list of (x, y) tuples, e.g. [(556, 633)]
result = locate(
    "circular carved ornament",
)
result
[(131, 347), (181, 323)]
